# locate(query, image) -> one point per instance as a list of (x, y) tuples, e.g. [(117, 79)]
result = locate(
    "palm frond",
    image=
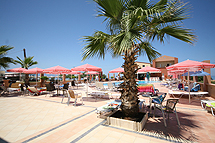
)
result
[(96, 45), (147, 49)]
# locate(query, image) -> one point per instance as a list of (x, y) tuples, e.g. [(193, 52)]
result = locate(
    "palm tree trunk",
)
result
[(130, 102), (27, 79)]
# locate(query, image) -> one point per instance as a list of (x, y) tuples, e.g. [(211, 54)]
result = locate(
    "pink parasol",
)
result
[(87, 67), (117, 70), (57, 69), (148, 69), (72, 72), (18, 70), (34, 71), (91, 72), (190, 65)]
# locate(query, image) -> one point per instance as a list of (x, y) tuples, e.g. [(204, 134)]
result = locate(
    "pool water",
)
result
[(139, 82)]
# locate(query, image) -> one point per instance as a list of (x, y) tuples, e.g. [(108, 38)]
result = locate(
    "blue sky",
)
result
[(50, 30)]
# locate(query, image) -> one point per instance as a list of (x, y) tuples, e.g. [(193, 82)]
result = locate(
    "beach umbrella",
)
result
[(18, 70), (197, 73), (188, 66), (117, 70), (74, 72), (86, 67), (56, 70), (34, 71), (149, 69), (91, 72)]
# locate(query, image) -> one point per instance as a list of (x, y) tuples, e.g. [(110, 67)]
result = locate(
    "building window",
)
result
[(143, 65)]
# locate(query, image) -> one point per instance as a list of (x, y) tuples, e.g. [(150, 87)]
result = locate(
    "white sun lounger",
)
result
[(205, 102), (193, 94)]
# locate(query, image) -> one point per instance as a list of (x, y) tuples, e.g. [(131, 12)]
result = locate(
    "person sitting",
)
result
[(73, 83)]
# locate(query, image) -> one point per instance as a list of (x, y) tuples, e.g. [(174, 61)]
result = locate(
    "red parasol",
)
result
[(91, 72), (190, 65), (57, 69), (34, 71), (87, 67), (18, 70), (148, 69), (117, 70)]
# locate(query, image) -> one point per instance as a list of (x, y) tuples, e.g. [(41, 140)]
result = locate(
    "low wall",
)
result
[(211, 90)]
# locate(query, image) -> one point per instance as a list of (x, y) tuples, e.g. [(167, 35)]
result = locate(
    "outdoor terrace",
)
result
[(44, 119)]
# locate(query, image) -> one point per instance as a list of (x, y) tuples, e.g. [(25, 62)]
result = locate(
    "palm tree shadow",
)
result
[(156, 127)]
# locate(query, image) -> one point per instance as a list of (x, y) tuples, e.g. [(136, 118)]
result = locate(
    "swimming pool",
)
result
[(139, 82)]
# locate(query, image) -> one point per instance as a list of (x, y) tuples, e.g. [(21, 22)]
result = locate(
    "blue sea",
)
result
[(213, 77)]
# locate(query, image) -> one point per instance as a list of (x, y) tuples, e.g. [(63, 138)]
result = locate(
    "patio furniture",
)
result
[(34, 91), (50, 88), (204, 102), (22, 89), (156, 100), (149, 88), (108, 108), (58, 87), (212, 106), (72, 94), (169, 108), (65, 87), (3, 90), (208, 103), (96, 93), (100, 86), (111, 87)]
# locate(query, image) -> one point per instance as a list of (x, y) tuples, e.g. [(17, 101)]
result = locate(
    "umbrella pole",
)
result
[(36, 78), (189, 84)]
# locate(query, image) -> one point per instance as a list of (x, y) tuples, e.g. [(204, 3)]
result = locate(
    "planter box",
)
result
[(128, 124)]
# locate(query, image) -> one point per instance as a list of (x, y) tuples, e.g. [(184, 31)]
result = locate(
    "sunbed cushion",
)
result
[(211, 104), (158, 100)]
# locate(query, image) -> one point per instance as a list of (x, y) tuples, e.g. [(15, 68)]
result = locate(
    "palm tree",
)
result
[(26, 63), (132, 25), (5, 61)]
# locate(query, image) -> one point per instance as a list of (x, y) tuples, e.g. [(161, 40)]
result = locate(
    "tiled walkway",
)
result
[(45, 119)]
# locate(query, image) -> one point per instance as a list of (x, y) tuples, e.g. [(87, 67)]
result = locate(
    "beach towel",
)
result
[(146, 88)]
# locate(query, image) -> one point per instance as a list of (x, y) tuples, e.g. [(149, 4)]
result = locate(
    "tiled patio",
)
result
[(45, 119)]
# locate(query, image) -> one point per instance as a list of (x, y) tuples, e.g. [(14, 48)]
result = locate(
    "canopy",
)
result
[(91, 72), (117, 70), (175, 72), (19, 70), (87, 67), (33, 71), (197, 73), (148, 69), (56, 69), (189, 65), (72, 72)]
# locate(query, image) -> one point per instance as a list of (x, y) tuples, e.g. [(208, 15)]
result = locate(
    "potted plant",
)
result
[(43, 78)]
